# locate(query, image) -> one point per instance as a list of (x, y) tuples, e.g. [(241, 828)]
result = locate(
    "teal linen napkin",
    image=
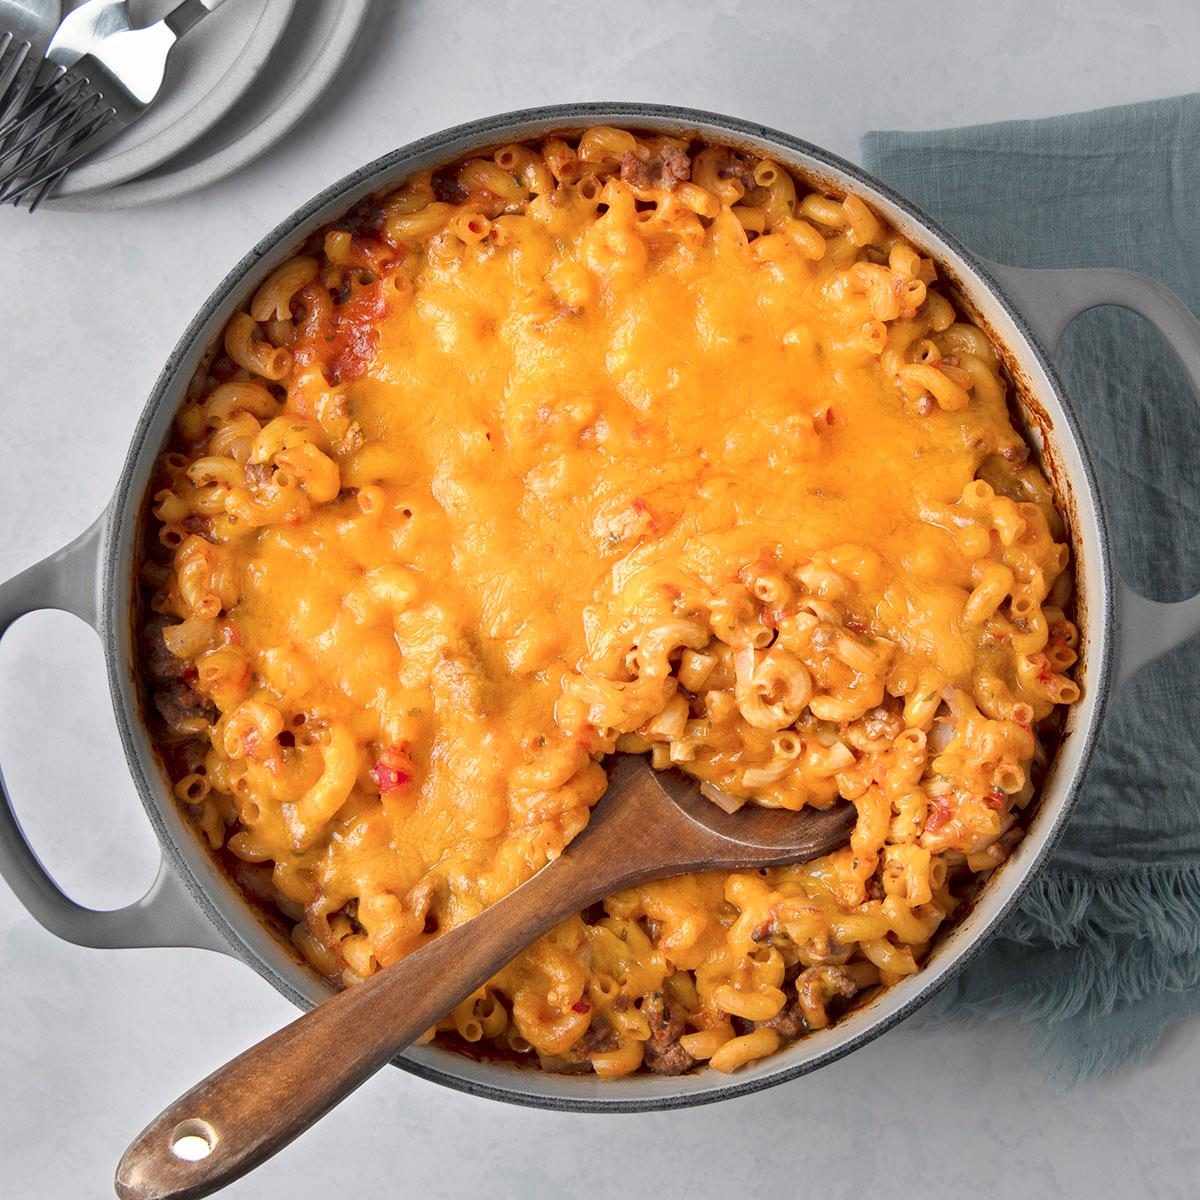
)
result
[(1105, 950)]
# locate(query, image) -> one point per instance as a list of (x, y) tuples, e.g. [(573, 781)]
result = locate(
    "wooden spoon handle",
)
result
[(255, 1105)]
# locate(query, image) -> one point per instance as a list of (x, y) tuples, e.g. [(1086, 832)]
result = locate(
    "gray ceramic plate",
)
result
[(207, 74), (304, 61)]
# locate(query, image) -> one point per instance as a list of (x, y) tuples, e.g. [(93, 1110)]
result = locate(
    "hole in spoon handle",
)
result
[(193, 1139)]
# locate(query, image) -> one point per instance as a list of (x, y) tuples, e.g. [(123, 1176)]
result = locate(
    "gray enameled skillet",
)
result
[(192, 902)]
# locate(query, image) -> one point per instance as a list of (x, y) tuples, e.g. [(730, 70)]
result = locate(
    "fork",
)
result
[(76, 33), (80, 31), (83, 106), (25, 25)]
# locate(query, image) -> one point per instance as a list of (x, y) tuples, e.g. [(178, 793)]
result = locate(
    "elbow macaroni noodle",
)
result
[(611, 444)]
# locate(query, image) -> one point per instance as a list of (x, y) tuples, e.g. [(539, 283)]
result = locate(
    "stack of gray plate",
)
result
[(234, 86)]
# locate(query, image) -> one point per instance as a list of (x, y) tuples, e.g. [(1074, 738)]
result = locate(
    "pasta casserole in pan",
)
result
[(611, 443)]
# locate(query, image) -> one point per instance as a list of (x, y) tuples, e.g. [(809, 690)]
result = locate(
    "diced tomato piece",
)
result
[(393, 769), (939, 816), (994, 799), (581, 1006), (388, 779)]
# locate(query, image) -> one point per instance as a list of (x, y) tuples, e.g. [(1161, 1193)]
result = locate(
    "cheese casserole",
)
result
[(609, 443)]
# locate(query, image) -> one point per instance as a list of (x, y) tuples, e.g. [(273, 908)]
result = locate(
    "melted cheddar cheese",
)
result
[(609, 444)]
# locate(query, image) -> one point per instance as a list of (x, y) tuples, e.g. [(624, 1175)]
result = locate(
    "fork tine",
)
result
[(46, 164), (59, 88), (6, 40), (47, 180), (11, 62), (46, 142), (52, 171), (44, 97), (44, 126), (41, 156), (41, 75), (46, 189), (74, 109), (56, 173)]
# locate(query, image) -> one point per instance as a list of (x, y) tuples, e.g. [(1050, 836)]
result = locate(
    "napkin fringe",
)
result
[(1076, 1063), (1101, 977), (1066, 1015), (1127, 937), (1162, 905)]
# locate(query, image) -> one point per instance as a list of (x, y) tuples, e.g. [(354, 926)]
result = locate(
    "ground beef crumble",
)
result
[(736, 167), (179, 704), (448, 190), (664, 1054), (160, 662), (666, 169), (258, 475), (788, 1022)]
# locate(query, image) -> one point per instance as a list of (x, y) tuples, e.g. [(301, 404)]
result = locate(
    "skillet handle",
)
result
[(1050, 300), (165, 915)]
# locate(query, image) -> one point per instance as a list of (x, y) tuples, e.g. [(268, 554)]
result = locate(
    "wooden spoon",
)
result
[(647, 826)]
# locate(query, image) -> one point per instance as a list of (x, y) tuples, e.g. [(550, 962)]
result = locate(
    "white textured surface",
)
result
[(93, 1043)]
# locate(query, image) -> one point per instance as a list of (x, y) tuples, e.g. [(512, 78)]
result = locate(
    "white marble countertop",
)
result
[(93, 1043)]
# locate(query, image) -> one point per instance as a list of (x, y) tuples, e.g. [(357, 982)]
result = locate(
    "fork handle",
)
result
[(181, 18)]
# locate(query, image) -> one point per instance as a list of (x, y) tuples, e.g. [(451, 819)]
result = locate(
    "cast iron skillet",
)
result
[(193, 903)]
